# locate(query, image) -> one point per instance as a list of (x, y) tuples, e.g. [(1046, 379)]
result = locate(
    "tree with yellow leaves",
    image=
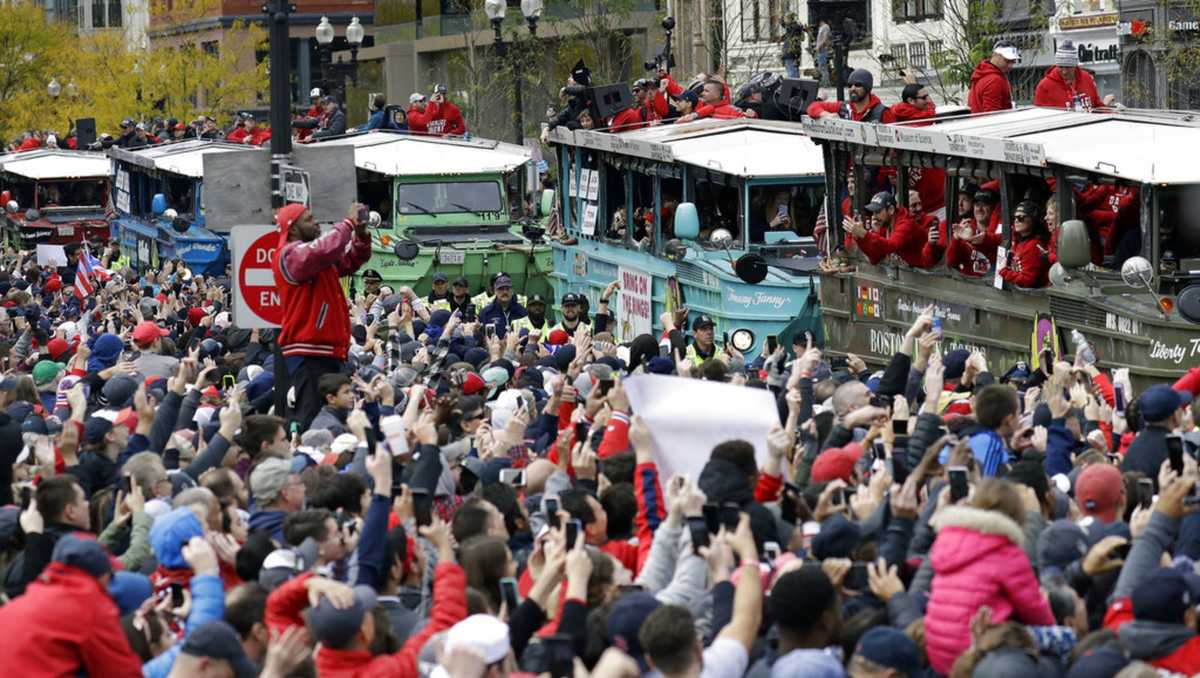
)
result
[(174, 78)]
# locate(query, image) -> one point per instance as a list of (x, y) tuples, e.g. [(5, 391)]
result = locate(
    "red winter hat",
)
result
[(558, 338), (836, 464), (473, 383), (57, 347), (195, 315), (1098, 490)]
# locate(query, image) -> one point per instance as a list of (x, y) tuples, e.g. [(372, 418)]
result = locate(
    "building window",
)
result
[(98, 14), (761, 20), (917, 56), (899, 57), (115, 14), (916, 10)]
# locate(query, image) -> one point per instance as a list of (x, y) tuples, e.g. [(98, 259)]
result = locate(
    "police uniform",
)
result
[(527, 324), (694, 354), (577, 300)]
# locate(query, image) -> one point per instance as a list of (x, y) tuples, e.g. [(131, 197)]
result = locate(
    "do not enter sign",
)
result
[(256, 302)]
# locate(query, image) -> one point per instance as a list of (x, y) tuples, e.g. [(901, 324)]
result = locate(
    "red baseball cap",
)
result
[(195, 315), (473, 383), (1098, 490), (836, 464), (147, 331), (57, 347), (558, 337)]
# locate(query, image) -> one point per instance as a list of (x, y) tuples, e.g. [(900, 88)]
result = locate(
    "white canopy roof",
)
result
[(1139, 146), (743, 147), (57, 164), (185, 157), (399, 154)]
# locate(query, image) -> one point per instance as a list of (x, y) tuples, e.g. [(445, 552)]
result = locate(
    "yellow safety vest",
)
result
[(694, 356)]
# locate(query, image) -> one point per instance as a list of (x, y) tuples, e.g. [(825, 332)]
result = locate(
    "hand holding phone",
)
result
[(958, 483)]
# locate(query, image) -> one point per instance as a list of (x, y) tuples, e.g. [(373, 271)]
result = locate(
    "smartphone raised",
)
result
[(771, 550), (1175, 452), (489, 330), (551, 504), (513, 476), (422, 507), (508, 593), (958, 482), (363, 215), (560, 656), (26, 496), (730, 515), (880, 450), (772, 343), (857, 578), (1119, 398), (1145, 492), (176, 595), (698, 529), (712, 517), (228, 382), (127, 485), (573, 528)]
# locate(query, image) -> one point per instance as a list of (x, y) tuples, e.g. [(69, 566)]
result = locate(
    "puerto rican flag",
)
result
[(87, 271)]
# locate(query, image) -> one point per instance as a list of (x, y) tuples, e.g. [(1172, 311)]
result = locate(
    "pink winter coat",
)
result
[(977, 560)]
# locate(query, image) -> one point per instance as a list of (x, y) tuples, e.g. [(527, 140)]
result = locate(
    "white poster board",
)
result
[(688, 417), (51, 255), (588, 227), (635, 303)]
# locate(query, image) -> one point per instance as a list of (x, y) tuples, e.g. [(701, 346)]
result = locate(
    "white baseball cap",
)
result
[(1007, 50), (314, 92), (415, 97)]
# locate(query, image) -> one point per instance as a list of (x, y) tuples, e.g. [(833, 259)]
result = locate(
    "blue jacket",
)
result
[(494, 313), (271, 521), (1059, 445), (208, 604)]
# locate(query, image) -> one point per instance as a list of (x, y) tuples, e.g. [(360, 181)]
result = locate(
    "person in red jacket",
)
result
[(970, 251), (863, 105), (439, 117), (642, 113), (344, 625), (1066, 85), (895, 232), (66, 623), (714, 103), (249, 132), (315, 336), (990, 90), (917, 105), (1028, 263)]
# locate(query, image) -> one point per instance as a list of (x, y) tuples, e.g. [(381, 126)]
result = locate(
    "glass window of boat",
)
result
[(1178, 232), (375, 191), (72, 194), (448, 197), (718, 204), (180, 193), (784, 208)]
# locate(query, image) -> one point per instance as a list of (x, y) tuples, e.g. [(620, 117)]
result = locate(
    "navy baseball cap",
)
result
[(880, 201), (336, 627), (1163, 597), (535, 299), (625, 619), (572, 298), (35, 424), (890, 648), (703, 320), (439, 277), (1160, 401), (461, 281), (218, 640), (502, 281)]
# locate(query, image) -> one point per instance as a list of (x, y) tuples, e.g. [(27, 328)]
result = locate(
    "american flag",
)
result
[(89, 269)]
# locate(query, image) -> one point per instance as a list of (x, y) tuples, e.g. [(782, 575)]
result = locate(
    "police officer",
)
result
[(703, 345), (372, 281), (572, 314), (536, 321), (460, 300), (484, 298), (505, 310), (439, 298)]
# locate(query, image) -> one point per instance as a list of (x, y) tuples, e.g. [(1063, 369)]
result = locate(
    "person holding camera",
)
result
[(315, 337), (436, 115)]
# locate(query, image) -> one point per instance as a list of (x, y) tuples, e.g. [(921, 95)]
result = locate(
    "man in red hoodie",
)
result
[(863, 105), (439, 117), (990, 90), (66, 623), (930, 182), (896, 232), (315, 336), (1066, 85)]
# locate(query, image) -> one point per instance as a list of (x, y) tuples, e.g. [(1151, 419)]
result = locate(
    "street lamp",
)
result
[(54, 89), (495, 11), (333, 75)]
